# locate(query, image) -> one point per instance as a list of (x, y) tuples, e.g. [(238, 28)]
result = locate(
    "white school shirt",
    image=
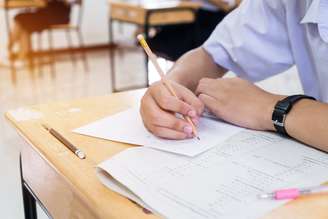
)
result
[(262, 38)]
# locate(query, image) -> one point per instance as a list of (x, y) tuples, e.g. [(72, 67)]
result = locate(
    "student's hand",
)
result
[(238, 101), (158, 108)]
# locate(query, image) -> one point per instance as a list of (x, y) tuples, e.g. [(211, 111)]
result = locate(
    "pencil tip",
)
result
[(198, 138)]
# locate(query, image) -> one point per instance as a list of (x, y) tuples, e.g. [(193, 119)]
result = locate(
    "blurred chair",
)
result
[(7, 6), (74, 25)]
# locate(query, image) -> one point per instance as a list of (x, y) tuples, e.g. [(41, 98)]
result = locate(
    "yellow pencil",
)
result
[(153, 59)]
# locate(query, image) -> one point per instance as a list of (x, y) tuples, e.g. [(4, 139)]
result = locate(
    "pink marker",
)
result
[(293, 192)]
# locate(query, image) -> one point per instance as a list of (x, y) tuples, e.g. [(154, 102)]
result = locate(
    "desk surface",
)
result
[(155, 5), (162, 12), (17, 4), (81, 173)]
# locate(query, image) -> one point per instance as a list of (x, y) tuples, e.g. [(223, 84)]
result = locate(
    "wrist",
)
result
[(294, 114), (282, 109)]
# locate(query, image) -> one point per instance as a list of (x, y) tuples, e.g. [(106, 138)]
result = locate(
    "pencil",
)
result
[(153, 59), (79, 153)]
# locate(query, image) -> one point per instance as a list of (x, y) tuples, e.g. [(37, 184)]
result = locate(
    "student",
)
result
[(26, 23), (259, 39), (173, 41)]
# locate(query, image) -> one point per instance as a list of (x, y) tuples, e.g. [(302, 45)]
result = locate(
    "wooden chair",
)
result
[(7, 6), (73, 26), (6, 18)]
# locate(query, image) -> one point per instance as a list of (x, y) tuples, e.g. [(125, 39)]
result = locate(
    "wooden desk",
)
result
[(148, 14), (67, 187), (18, 4), (153, 13)]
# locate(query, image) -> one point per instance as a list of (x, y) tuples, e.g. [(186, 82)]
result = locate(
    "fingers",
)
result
[(186, 103), (190, 98), (157, 120), (159, 107), (168, 120), (209, 86), (211, 103), (173, 104)]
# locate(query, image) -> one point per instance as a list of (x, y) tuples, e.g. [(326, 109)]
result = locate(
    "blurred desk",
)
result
[(17, 4), (67, 187), (153, 13), (147, 14)]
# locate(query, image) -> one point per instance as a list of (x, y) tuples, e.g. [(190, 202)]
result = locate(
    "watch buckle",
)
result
[(282, 123)]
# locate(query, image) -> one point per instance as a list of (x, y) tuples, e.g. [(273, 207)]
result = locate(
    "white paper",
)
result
[(221, 183), (127, 127)]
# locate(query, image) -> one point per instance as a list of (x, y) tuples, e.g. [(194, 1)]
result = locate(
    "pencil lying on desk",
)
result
[(63, 140), (153, 59)]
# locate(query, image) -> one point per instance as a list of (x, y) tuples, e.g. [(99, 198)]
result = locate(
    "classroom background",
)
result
[(72, 79)]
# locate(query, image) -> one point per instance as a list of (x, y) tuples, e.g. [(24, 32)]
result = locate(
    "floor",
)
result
[(73, 82)]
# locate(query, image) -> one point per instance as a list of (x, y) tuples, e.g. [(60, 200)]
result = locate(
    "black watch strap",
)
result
[(281, 110)]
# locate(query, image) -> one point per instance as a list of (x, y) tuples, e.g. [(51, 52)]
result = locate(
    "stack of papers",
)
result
[(219, 176), (223, 182)]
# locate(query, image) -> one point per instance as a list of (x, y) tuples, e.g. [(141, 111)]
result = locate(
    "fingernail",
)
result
[(187, 129), (192, 113)]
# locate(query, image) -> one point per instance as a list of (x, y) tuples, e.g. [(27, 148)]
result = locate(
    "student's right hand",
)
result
[(158, 111)]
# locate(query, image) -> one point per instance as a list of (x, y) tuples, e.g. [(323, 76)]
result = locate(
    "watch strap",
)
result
[(281, 110)]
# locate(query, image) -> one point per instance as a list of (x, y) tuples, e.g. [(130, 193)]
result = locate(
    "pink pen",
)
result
[(293, 192)]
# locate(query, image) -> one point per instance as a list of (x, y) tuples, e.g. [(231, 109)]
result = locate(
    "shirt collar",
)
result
[(312, 13)]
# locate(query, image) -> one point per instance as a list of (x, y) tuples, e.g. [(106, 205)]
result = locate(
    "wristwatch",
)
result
[(281, 110)]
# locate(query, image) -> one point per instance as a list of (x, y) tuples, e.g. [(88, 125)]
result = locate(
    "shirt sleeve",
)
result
[(252, 40)]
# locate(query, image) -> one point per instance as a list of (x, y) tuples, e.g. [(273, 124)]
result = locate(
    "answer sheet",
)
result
[(127, 127), (221, 183)]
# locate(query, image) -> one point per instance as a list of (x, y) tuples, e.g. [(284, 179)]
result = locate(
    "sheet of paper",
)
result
[(223, 182), (127, 127)]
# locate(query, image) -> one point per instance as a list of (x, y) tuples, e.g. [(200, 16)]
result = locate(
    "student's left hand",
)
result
[(238, 101)]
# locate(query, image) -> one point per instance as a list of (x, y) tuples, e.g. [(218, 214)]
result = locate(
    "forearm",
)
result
[(193, 66), (308, 122)]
